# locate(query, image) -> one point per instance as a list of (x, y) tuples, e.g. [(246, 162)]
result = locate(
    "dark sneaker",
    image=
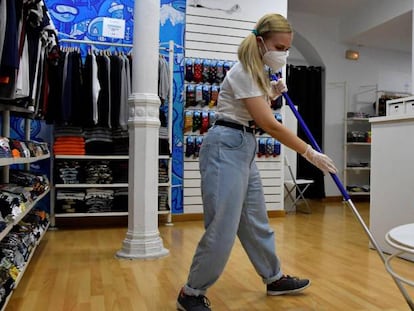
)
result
[(287, 285), (192, 303)]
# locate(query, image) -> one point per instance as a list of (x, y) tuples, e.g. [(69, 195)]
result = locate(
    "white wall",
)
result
[(214, 33), (390, 69), (248, 10)]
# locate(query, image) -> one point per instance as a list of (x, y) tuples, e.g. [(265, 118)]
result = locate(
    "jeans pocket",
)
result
[(232, 139)]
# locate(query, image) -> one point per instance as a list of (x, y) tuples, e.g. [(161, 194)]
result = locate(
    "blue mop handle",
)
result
[(312, 140)]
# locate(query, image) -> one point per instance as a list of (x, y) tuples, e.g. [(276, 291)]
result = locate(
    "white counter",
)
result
[(392, 175)]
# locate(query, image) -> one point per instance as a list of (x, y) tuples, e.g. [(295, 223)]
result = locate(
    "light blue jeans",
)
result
[(234, 204)]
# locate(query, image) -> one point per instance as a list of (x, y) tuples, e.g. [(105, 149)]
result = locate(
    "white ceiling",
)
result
[(394, 33), (327, 8)]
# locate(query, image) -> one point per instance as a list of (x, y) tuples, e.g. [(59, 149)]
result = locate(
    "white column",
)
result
[(412, 52), (143, 240)]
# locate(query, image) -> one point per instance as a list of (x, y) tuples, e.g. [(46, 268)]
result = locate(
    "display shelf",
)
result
[(21, 273), (11, 161), (362, 119), (355, 193), (6, 162), (9, 105), (115, 185), (72, 215), (357, 148), (355, 168), (20, 276), (22, 215), (7, 301), (358, 144), (92, 157), (108, 214)]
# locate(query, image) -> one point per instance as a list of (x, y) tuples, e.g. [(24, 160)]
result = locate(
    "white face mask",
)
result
[(275, 59)]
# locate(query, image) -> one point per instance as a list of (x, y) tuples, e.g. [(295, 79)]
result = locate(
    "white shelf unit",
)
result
[(357, 156), (83, 186), (5, 163), (367, 102), (57, 186)]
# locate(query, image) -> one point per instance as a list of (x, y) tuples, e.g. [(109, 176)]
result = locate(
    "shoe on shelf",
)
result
[(287, 285), (192, 303)]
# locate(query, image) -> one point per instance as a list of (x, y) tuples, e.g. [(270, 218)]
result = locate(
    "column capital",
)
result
[(144, 110)]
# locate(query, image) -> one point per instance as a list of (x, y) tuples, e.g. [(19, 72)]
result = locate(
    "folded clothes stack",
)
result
[(70, 145)]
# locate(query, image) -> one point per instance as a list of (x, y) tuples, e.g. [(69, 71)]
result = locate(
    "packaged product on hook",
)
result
[(215, 89), (220, 72), (190, 95), (206, 70), (199, 94), (188, 121), (196, 120), (198, 71), (189, 62), (213, 71), (189, 146), (206, 94)]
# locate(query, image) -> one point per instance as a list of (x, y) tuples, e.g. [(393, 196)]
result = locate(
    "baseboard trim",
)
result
[(333, 199), (199, 216), (359, 198)]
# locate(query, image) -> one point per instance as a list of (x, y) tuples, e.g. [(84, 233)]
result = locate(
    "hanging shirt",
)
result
[(3, 21), (95, 89), (108, 66), (163, 79), (123, 111), (23, 81)]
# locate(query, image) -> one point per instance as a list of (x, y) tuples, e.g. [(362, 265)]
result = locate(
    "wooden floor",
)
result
[(77, 270)]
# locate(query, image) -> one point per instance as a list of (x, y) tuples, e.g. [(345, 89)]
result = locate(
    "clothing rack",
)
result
[(170, 50), (90, 42)]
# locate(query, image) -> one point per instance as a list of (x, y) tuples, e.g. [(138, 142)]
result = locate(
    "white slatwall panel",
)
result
[(217, 35), (214, 37), (271, 171)]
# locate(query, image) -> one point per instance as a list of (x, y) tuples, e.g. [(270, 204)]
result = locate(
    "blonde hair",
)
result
[(248, 51)]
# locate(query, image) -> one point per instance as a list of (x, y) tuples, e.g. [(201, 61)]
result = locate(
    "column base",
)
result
[(144, 247)]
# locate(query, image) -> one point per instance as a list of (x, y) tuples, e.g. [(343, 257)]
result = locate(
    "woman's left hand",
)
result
[(277, 88)]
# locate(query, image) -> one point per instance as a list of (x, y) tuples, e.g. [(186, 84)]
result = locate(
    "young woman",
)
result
[(232, 193)]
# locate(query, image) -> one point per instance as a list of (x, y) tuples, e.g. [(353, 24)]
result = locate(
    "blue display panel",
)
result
[(88, 20)]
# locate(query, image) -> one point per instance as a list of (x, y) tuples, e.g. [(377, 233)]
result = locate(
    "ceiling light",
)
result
[(351, 54)]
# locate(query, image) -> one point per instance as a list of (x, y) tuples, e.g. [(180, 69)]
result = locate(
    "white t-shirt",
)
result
[(237, 85)]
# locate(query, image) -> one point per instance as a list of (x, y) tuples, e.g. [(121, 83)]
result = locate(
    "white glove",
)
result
[(320, 160), (277, 88)]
